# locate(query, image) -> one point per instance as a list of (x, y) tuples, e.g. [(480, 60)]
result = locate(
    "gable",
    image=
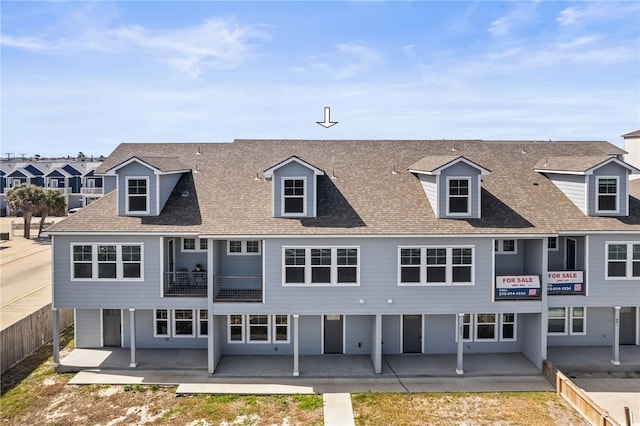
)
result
[(71, 170), (33, 170)]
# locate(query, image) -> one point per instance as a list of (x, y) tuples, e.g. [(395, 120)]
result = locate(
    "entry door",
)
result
[(333, 325), (171, 254), (411, 334), (571, 254), (111, 327), (627, 325)]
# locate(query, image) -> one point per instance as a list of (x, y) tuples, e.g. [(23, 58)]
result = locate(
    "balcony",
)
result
[(63, 190), (91, 191), (225, 288)]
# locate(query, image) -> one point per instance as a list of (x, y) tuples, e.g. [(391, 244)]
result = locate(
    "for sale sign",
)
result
[(565, 283), (518, 287)]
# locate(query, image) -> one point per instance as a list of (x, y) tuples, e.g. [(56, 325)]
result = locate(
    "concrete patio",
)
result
[(575, 359)]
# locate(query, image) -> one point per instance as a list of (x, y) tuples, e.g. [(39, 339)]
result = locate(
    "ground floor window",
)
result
[(258, 329), (180, 323), (564, 321), (161, 323), (203, 323), (484, 327), (183, 323)]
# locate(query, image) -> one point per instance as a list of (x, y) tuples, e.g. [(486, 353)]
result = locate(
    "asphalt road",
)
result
[(25, 277)]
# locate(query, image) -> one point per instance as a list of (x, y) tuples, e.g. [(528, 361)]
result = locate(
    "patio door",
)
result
[(111, 327), (411, 334), (171, 257), (333, 329), (627, 325), (570, 254)]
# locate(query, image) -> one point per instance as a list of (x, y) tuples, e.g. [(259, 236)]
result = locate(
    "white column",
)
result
[(459, 370), (616, 336), (132, 323), (377, 344), (296, 349), (211, 366), (55, 332)]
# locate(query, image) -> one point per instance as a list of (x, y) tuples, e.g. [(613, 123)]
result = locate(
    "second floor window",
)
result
[(321, 265), (106, 262), (506, 246), (458, 200), (137, 195), (607, 197), (293, 197), (623, 260), (436, 265)]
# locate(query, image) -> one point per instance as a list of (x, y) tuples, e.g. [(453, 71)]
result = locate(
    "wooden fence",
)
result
[(577, 398), (30, 333)]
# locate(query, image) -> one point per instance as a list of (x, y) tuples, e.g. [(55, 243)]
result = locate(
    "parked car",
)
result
[(74, 211)]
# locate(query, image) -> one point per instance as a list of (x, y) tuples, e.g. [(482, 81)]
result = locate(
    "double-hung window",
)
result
[(562, 321), (203, 323), (183, 323), (293, 196), (436, 265), (623, 260), (458, 196), (552, 244), (506, 246), (258, 329), (484, 327), (137, 194), (321, 266), (161, 323), (607, 195), (194, 244), (104, 261)]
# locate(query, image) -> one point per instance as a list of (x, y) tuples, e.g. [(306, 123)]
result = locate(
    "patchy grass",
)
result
[(503, 408)]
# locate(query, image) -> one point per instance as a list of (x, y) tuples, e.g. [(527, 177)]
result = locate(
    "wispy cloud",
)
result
[(596, 12), (215, 43), (347, 60), (519, 14)]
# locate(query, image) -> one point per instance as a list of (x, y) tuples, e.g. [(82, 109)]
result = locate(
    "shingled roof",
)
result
[(367, 190)]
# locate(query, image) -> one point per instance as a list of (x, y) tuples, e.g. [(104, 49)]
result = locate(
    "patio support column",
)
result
[(211, 366), (55, 332), (377, 345), (132, 323), (296, 348), (459, 370), (616, 336)]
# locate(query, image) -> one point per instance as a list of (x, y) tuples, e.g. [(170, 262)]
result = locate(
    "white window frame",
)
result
[(308, 266), (156, 320), (250, 326), (127, 195), (193, 323), (471, 320), (95, 263), (305, 191), (243, 248), (556, 246), (242, 328), (200, 320), (499, 246), (468, 196), (617, 194), (275, 324), (569, 316), (448, 266), (477, 324), (564, 318), (197, 244), (628, 262)]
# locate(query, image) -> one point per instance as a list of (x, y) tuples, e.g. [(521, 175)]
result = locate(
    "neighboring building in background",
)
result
[(632, 146), (355, 247), (75, 179)]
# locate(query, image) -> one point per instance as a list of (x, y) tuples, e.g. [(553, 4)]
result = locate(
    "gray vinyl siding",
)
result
[(294, 170), (609, 170), (358, 334), (239, 264), (573, 186), (461, 170), (599, 330), (144, 334), (430, 188), (88, 328), (137, 170), (310, 334), (109, 184), (144, 294), (167, 183), (603, 292), (378, 283), (530, 330)]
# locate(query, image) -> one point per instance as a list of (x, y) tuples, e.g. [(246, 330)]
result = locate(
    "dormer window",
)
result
[(137, 195), (293, 196), (607, 197), (458, 200)]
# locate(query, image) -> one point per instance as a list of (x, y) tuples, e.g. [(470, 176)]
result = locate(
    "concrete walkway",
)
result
[(337, 409)]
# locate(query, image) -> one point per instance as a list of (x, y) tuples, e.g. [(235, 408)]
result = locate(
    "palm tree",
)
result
[(53, 202), (28, 199)]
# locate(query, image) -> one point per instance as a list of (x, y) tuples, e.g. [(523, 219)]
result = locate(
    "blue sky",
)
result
[(86, 76)]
